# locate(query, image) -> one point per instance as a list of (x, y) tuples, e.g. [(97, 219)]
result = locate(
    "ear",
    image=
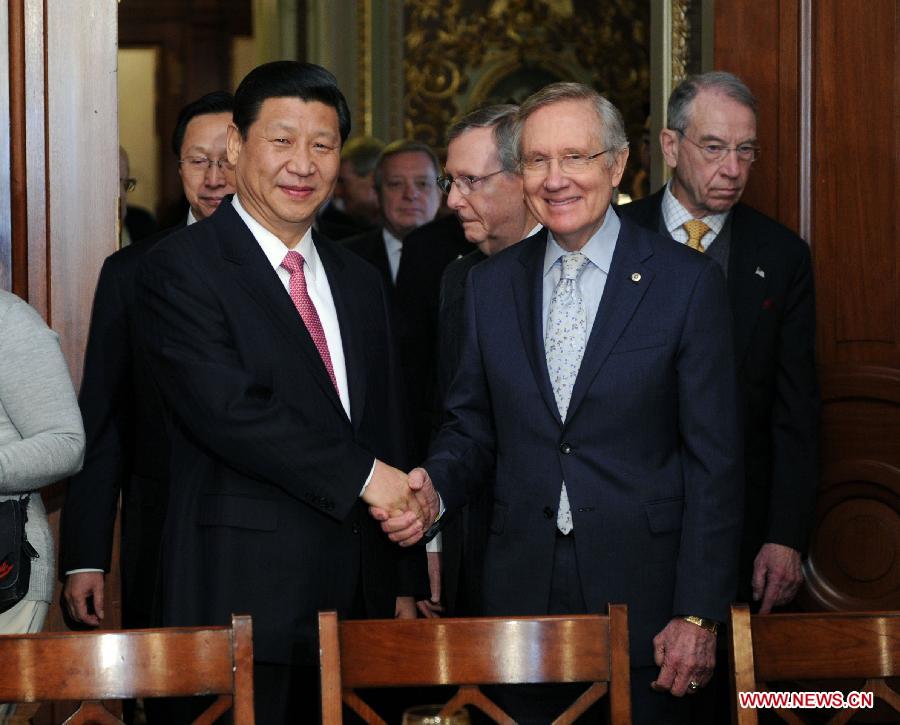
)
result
[(669, 142), (619, 167), (233, 143)]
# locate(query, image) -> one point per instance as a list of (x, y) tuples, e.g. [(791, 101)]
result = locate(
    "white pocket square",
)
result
[(760, 272)]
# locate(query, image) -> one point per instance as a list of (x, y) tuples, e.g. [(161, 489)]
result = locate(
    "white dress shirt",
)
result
[(316, 284), (599, 251), (394, 248)]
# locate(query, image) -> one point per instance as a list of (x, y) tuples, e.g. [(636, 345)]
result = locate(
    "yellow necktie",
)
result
[(696, 229)]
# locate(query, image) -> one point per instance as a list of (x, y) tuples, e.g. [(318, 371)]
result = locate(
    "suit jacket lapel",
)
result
[(527, 284), (746, 282), (260, 282), (352, 327), (627, 281)]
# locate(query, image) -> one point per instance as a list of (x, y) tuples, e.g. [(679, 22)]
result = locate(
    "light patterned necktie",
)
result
[(293, 263), (564, 342), (696, 230)]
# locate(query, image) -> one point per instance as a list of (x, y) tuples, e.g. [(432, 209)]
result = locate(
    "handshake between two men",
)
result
[(407, 505)]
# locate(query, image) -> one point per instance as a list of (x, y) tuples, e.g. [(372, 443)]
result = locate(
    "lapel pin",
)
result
[(636, 277), (759, 271)]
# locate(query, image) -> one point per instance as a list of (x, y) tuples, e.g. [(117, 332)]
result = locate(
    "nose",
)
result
[(409, 189), (301, 161), (215, 176), (455, 199), (555, 178), (731, 164)]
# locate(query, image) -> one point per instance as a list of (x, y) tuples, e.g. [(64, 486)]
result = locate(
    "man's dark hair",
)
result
[(288, 79), (215, 102), (404, 146)]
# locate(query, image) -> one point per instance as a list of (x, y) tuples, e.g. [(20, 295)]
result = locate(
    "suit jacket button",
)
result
[(548, 512), (565, 448), (355, 529)]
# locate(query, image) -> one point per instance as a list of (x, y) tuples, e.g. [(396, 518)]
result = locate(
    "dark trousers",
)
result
[(540, 704)]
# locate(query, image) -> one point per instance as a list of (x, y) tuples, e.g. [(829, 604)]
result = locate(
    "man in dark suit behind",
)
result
[(597, 375), (127, 449), (406, 183), (710, 144), (271, 347), (484, 189)]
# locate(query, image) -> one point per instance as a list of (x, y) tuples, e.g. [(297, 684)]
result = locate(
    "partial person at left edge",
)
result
[(127, 448), (271, 346), (41, 441)]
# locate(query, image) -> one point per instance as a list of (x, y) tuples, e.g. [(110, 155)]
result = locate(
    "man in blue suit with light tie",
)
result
[(597, 374)]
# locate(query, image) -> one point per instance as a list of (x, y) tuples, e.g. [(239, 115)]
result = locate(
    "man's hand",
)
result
[(406, 527), (685, 653), (80, 587), (777, 576), (432, 608), (389, 491), (405, 608)]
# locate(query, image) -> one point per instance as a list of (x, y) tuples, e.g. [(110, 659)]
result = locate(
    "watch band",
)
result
[(710, 625)]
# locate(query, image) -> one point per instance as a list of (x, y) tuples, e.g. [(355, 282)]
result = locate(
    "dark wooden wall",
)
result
[(826, 75)]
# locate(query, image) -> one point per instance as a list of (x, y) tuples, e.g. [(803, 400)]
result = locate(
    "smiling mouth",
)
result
[(297, 192), (212, 200), (561, 202)]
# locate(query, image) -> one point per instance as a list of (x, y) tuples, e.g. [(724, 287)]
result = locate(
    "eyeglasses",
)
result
[(568, 164), (201, 164), (465, 184), (746, 152), (398, 186), (129, 183)]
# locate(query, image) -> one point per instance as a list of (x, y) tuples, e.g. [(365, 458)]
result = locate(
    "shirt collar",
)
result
[(599, 248), (675, 214), (191, 219), (390, 240), (274, 248)]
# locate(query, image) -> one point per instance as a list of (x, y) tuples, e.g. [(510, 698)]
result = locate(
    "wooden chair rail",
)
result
[(819, 646), (95, 666), (469, 652)]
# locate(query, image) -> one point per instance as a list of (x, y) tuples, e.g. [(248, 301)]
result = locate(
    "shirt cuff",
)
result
[(434, 546), (82, 571), (368, 478)]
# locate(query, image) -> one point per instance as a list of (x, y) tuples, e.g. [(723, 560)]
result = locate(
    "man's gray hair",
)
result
[(362, 153), (612, 127), (500, 117), (402, 146), (679, 112)]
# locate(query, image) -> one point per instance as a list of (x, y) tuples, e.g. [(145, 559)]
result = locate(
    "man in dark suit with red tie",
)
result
[(272, 349)]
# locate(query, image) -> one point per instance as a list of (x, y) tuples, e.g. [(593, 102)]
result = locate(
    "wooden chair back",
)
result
[(476, 651), (88, 667), (861, 646)]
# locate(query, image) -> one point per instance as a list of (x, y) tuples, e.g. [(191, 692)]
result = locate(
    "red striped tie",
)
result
[(293, 263)]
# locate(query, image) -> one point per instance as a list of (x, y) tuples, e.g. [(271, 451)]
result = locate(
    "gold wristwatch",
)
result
[(710, 625)]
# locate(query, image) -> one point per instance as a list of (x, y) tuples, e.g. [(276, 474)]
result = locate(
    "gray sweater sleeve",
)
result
[(41, 434)]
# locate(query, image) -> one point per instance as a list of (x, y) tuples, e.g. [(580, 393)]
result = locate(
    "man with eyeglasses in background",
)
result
[(710, 145), (135, 222), (596, 380), (127, 449), (484, 189)]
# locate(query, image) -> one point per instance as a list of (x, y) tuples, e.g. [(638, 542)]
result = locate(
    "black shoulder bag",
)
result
[(16, 552)]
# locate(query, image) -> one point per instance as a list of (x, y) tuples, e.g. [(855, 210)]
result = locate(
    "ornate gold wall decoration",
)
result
[(681, 31), (460, 54)]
